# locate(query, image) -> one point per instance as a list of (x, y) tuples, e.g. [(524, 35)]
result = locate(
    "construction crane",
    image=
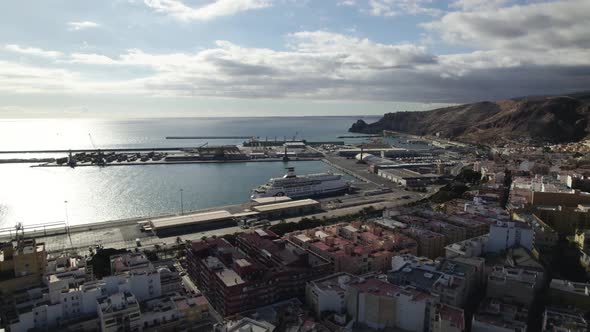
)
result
[(202, 146)]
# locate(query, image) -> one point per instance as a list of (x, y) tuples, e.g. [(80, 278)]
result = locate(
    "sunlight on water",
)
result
[(37, 195)]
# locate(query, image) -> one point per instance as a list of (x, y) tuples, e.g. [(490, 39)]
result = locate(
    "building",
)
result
[(563, 320), (582, 240), (513, 285), (473, 247), (407, 178), (545, 236), (287, 209), (569, 293), (567, 199), (245, 325), (451, 282), (189, 223), (447, 318), (493, 315), (430, 244), (22, 265), (451, 232), (504, 235), (271, 270), (68, 300), (473, 225), (378, 304), (328, 294), (354, 248), (133, 271), (119, 312)]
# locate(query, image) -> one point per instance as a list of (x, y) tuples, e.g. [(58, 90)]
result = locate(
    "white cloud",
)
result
[(32, 51), (82, 25), (476, 5), (519, 50), (399, 7), (217, 8), (349, 3), (541, 27), (86, 58)]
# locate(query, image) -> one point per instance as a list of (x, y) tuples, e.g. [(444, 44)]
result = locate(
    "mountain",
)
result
[(554, 119)]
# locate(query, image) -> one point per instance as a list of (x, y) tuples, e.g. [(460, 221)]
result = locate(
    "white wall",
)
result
[(508, 235)]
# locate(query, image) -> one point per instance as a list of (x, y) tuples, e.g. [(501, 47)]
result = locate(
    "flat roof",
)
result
[(268, 200), (190, 219), (285, 205), (245, 214)]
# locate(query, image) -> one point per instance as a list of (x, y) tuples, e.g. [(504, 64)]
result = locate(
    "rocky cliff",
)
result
[(542, 119)]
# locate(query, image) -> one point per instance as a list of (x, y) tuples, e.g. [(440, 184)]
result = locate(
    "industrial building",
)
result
[(191, 222)]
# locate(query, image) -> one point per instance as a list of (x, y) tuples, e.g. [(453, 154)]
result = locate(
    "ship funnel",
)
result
[(290, 172)]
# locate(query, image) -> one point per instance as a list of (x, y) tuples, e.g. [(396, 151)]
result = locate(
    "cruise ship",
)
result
[(295, 186)]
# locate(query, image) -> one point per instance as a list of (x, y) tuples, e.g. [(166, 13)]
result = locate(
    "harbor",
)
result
[(251, 150)]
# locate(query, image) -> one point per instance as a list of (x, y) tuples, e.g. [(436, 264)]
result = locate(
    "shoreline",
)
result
[(145, 163)]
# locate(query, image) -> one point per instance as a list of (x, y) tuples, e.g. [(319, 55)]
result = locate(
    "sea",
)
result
[(36, 195)]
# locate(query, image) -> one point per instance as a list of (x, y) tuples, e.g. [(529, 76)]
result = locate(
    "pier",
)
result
[(209, 137), (131, 149)]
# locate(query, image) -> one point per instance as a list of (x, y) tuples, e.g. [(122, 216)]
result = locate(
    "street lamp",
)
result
[(68, 223), (67, 218), (181, 202)]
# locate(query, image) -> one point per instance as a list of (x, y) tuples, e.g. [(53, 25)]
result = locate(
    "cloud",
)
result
[(476, 5), (348, 3), (32, 51), (399, 7), (215, 9), (86, 58), (539, 27), (539, 48), (82, 25)]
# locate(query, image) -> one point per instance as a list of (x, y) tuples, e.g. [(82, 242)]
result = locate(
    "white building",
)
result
[(504, 235), (68, 297), (119, 312), (473, 247), (328, 294)]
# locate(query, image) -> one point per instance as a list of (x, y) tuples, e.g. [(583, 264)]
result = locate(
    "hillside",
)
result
[(541, 119)]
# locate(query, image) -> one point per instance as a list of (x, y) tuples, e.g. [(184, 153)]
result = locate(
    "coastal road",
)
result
[(124, 235)]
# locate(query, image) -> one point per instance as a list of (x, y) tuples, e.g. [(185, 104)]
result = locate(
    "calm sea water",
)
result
[(38, 195)]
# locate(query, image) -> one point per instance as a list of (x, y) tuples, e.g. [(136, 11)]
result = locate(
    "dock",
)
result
[(209, 137)]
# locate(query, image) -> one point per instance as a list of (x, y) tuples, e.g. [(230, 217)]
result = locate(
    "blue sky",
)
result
[(128, 58)]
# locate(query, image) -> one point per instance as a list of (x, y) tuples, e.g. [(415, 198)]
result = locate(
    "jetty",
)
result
[(209, 137)]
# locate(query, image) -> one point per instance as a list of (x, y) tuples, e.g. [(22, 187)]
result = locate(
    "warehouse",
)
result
[(287, 209), (191, 223)]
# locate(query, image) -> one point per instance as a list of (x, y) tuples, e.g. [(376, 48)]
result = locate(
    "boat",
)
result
[(293, 186)]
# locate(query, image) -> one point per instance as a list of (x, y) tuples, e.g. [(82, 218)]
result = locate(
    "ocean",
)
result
[(93, 194)]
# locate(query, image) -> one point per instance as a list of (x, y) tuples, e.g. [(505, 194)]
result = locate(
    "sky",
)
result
[(158, 58)]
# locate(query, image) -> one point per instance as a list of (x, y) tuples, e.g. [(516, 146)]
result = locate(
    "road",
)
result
[(125, 235)]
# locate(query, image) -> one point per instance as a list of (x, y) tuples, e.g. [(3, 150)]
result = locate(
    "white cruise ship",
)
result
[(295, 186)]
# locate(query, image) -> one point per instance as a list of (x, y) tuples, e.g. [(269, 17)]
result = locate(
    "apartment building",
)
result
[(356, 250), (271, 270)]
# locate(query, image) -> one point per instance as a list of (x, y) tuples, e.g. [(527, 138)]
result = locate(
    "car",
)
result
[(405, 197)]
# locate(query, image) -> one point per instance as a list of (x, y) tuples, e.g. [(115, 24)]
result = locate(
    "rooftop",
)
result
[(285, 205), (190, 219), (570, 286)]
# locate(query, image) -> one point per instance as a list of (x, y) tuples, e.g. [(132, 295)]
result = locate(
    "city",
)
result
[(404, 250), (295, 165)]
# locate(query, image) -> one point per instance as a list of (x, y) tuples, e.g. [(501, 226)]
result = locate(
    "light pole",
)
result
[(181, 202), (68, 223), (67, 218)]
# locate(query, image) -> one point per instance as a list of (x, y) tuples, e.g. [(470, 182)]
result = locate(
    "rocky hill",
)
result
[(536, 119)]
